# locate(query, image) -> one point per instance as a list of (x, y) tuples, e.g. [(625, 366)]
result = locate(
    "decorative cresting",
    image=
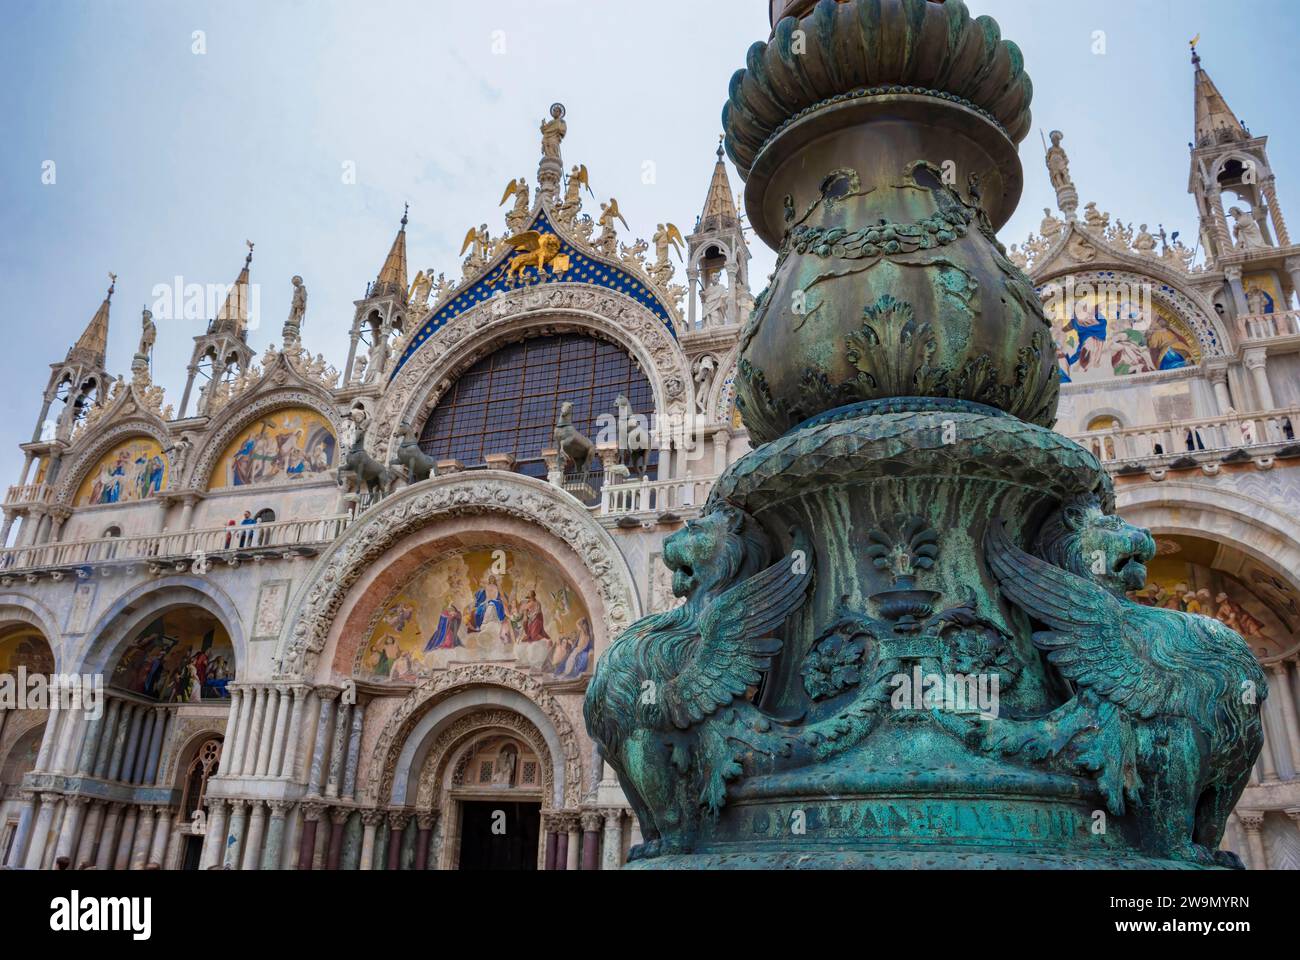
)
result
[(321, 597), (906, 639), (890, 280), (433, 690)]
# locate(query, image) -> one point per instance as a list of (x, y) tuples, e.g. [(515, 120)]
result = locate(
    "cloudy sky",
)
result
[(169, 151)]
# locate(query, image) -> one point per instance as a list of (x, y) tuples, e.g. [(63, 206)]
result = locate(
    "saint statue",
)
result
[(1050, 226), (1145, 244), (148, 333), (1246, 228), (1058, 163), (553, 131), (297, 310)]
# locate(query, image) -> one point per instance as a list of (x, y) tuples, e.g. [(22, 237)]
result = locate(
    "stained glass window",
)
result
[(508, 402)]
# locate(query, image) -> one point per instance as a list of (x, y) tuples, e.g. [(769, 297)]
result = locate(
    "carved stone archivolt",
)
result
[(236, 417), (322, 596), (453, 741), (435, 689), (554, 307)]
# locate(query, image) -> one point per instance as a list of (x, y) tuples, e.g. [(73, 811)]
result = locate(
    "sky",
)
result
[(178, 129)]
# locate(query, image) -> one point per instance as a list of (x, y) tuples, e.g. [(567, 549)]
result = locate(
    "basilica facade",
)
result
[(345, 617)]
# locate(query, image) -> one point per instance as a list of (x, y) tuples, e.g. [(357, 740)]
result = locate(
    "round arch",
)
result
[(1253, 527), (235, 418), (99, 445), (530, 311), (354, 562), (1194, 310), (16, 609), (135, 608), (465, 702)]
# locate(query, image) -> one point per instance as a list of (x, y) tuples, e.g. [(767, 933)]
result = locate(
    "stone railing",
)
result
[(1169, 441), (655, 497), (29, 493), (285, 537), (1270, 325)]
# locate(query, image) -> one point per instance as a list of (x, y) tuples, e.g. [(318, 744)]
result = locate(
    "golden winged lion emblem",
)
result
[(534, 249)]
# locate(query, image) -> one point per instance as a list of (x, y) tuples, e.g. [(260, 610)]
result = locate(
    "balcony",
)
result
[(28, 494), (1269, 326), (190, 550), (1211, 440), (654, 499)]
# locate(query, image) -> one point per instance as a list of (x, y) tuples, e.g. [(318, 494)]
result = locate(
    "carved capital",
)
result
[(398, 819), (372, 818), (312, 812), (1251, 820)]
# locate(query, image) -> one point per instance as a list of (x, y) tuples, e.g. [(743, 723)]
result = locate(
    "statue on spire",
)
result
[(297, 312), (148, 334), (1058, 170), (551, 168)]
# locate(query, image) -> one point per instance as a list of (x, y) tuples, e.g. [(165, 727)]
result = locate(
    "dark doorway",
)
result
[(193, 853), (499, 836)]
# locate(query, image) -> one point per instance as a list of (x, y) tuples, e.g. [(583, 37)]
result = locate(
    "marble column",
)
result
[(132, 743), (275, 834), (1257, 363), (612, 848), (1222, 398), (269, 729), (162, 833), (50, 736), (90, 743), (156, 742), (575, 838), (23, 833), (120, 737), (1268, 187), (338, 821), (245, 719), (292, 747), (311, 812), (338, 752), (292, 837), (256, 833), (354, 751), (425, 822), (552, 842), (148, 720), (232, 719), (108, 836), (1293, 268), (591, 824), (1267, 768), (235, 834), (276, 762), (1281, 688), (214, 835), (73, 814), (397, 821), (107, 737), (561, 846), (320, 749), (370, 821), (65, 755), (255, 734), (1252, 822), (144, 828), (41, 831), (122, 860), (89, 834)]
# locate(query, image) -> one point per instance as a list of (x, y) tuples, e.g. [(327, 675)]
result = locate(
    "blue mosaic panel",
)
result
[(582, 269)]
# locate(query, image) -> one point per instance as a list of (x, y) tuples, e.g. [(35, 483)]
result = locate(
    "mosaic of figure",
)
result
[(285, 445), (1121, 339), (132, 472), (492, 603), (27, 649), (184, 656)]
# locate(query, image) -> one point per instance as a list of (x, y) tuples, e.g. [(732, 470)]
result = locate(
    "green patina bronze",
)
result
[(905, 639)]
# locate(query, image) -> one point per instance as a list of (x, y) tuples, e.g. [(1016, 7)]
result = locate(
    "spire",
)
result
[(720, 204), (392, 277), (93, 343), (234, 312), (1215, 121)]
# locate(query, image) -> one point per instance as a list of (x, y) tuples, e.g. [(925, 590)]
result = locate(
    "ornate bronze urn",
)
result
[(906, 638)]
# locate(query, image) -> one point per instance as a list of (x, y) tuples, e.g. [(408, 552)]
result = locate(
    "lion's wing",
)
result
[(736, 642), (1095, 640)]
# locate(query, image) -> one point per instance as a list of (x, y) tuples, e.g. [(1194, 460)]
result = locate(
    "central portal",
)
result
[(499, 835)]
